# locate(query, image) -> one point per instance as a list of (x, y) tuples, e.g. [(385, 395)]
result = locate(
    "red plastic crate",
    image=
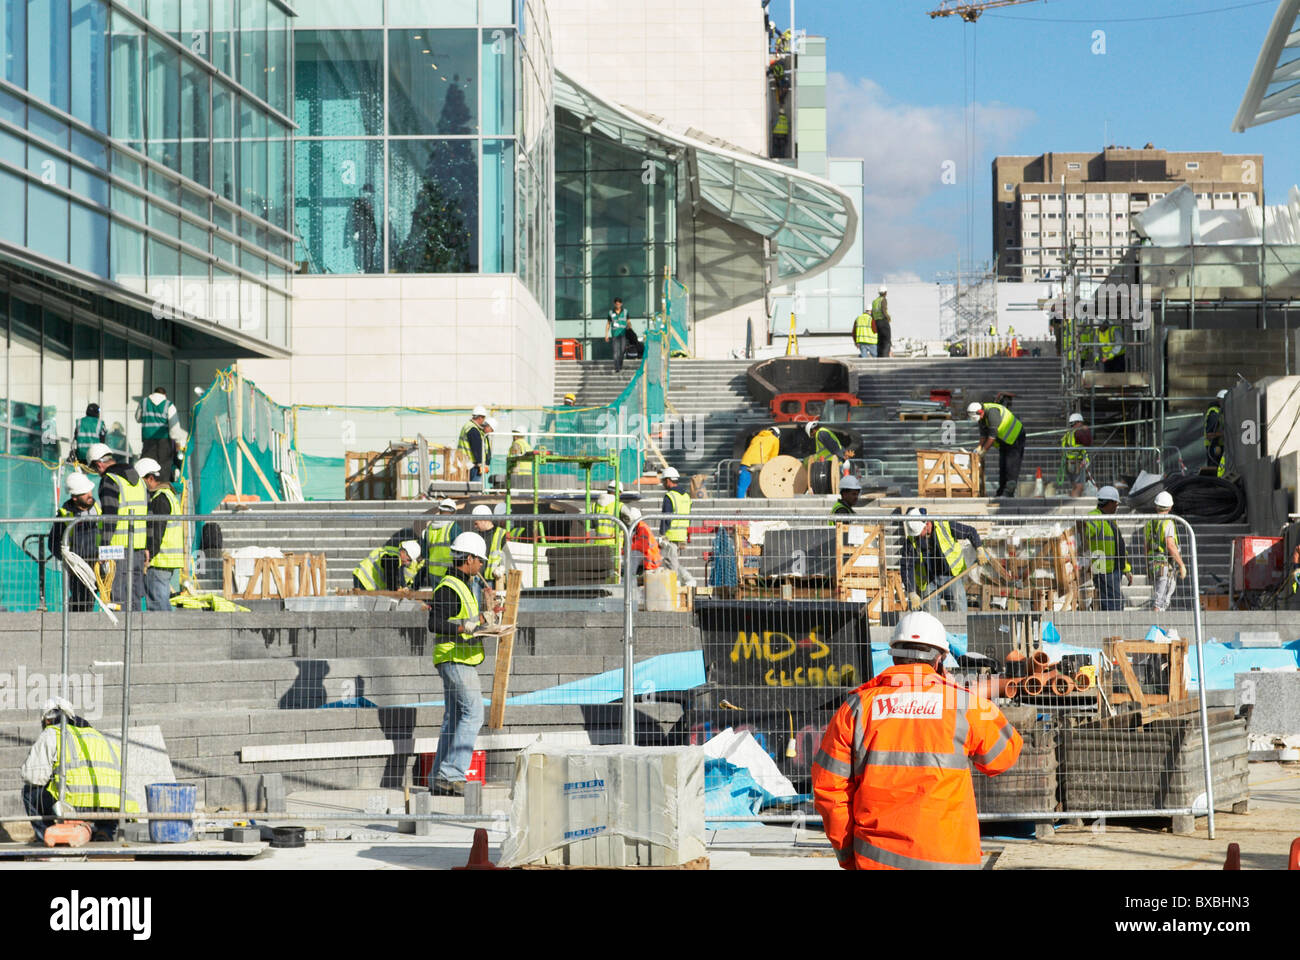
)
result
[(1257, 563), (428, 762), (568, 349)]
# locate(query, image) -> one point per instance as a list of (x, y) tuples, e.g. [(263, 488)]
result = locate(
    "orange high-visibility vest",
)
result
[(892, 781)]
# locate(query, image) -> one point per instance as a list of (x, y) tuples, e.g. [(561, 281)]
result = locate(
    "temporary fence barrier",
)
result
[(1105, 465), (727, 472), (794, 611), (788, 613)]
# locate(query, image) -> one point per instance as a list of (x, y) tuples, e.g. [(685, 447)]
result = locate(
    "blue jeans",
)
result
[(158, 587), (866, 350), (462, 718), (743, 480), (1108, 595), (39, 802)]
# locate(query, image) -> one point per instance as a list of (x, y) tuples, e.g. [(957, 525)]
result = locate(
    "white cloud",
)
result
[(906, 147)]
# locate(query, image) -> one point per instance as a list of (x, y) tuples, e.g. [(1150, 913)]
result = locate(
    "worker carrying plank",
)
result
[(933, 556), (999, 425), (892, 781)]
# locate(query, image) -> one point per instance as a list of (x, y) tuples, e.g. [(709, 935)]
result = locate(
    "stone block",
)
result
[(1276, 699)]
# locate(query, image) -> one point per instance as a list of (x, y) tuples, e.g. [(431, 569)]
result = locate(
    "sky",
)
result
[(1039, 77)]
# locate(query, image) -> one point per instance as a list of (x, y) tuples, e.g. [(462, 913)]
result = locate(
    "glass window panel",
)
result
[(223, 248), (191, 268), (252, 159), (47, 222), (444, 13), (163, 376), (128, 257), (498, 82), (194, 203), (13, 41), (48, 67), (277, 60), (163, 219), (13, 149), (164, 263), (56, 387), (89, 239), (112, 405), (166, 14), (498, 206), (194, 26), (339, 13), (224, 172), (90, 149), (433, 206), (338, 83), (251, 318), (250, 261), (496, 12), (164, 105), (225, 308), (432, 82), (194, 235), (24, 378), (128, 204), (222, 217), (130, 170), (128, 45), (88, 185), (223, 36), (12, 109), (195, 114), (90, 54), (252, 46), (277, 174), (138, 386), (48, 127), (85, 369), (618, 206), (340, 204), (184, 398)]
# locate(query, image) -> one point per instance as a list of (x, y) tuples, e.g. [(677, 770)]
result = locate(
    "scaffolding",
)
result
[(968, 306)]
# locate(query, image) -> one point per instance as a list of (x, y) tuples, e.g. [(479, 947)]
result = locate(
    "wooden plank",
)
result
[(344, 749), (1120, 659), (505, 650)]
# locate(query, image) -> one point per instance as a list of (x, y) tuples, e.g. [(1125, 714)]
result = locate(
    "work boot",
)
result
[(448, 788)]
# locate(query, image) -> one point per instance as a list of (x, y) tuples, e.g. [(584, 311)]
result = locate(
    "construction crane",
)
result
[(970, 12)]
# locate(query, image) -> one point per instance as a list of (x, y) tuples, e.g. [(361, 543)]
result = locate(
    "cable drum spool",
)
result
[(1206, 499), (782, 478)]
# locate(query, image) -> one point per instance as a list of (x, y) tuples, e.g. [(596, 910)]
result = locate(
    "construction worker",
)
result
[(781, 135), (765, 446), (473, 447), (156, 416), (999, 425), (498, 557), (1214, 447), (570, 399), (1110, 341), (84, 539), (616, 332), (519, 446), (881, 322), (676, 504), (121, 491), (892, 781), (389, 567), (643, 542), (88, 765), (454, 618), (864, 334), (166, 539), (933, 555), (90, 430), (1163, 555), (438, 536), (490, 426), (1074, 456), (1104, 544), (850, 490), (828, 445)]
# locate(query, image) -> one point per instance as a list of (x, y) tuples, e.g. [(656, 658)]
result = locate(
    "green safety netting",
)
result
[(677, 310), (304, 447), (30, 493)]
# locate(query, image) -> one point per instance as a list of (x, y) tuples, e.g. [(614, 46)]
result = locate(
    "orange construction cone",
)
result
[(478, 854)]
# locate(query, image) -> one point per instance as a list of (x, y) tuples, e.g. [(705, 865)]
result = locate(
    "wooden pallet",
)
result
[(949, 473), (293, 575), (1117, 651)]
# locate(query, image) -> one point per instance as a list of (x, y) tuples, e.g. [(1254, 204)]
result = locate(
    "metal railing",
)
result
[(1105, 465)]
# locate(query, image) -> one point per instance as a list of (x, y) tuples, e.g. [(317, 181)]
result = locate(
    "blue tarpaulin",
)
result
[(730, 791)]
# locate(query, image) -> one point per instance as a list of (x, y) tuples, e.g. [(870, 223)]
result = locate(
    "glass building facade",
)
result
[(145, 176), (423, 141)]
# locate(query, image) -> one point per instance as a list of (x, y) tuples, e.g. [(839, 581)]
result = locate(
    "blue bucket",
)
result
[(171, 798)]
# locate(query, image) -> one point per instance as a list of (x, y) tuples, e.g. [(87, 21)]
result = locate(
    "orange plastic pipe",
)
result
[(1040, 661), (1083, 682), (1062, 685), (1033, 685)]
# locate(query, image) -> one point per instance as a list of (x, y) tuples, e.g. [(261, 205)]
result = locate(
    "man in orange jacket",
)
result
[(891, 781)]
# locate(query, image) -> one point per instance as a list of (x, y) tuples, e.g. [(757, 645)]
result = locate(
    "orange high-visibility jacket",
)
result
[(892, 781)]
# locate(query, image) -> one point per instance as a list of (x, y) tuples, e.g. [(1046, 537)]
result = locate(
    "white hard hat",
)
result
[(470, 543), (1075, 418), (98, 451), (919, 628), (810, 426), (478, 412), (975, 411), (612, 486), (447, 505), (633, 516), (499, 510), (605, 499), (517, 431), (54, 705), (850, 483), (1164, 500), (914, 527), (883, 288), (412, 548), (1221, 394), (1108, 493), (78, 484), (491, 424), (670, 473), (147, 465), (482, 510)]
